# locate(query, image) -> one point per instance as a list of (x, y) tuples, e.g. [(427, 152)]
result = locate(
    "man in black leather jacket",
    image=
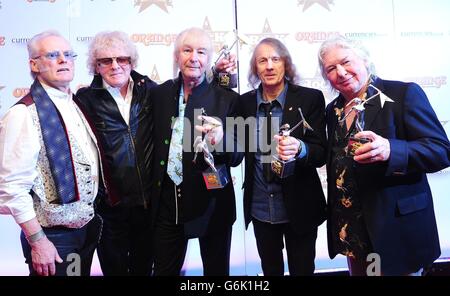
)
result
[(118, 106)]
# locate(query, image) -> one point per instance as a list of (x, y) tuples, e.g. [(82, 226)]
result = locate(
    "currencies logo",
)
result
[(308, 3), (144, 4)]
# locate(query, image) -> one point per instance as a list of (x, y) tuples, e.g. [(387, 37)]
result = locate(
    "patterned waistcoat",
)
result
[(72, 215)]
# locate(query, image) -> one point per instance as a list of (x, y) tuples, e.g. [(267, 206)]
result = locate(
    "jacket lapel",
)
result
[(373, 106), (291, 114), (331, 119)]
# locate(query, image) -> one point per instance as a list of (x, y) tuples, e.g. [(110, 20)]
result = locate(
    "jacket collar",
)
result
[(196, 91)]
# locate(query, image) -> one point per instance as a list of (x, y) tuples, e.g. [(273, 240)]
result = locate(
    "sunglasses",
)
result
[(121, 61)]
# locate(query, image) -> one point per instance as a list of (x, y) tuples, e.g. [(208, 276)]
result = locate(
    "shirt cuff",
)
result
[(304, 150), (24, 215)]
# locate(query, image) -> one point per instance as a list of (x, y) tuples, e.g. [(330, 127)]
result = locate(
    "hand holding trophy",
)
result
[(214, 176), (285, 168), (355, 143), (359, 108), (228, 75)]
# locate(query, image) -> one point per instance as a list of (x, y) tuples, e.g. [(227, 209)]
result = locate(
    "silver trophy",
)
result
[(286, 168), (229, 80), (355, 143), (215, 176)]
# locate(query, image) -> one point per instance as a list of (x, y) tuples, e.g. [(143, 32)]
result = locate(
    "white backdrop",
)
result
[(409, 40)]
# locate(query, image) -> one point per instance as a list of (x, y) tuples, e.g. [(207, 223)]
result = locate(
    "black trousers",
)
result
[(125, 246), (170, 251), (70, 243), (170, 243), (300, 249)]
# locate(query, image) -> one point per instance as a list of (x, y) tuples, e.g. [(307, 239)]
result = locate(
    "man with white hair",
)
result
[(184, 208), (49, 172)]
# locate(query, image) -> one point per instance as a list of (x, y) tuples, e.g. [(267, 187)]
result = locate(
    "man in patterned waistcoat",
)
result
[(49, 169)]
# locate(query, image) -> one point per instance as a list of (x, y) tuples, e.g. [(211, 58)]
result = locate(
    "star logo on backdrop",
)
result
[(218, 37), (155, 75), (266, 32), (144, 4), (308, 3)]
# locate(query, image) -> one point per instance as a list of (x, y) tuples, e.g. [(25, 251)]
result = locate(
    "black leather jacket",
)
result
[(126, 150)]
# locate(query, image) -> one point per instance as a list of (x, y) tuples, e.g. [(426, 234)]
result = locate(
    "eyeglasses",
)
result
[(54, 55), (106, 62)]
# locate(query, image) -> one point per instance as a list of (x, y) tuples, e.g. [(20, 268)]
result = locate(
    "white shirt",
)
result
[(19, 151), (124, 104)]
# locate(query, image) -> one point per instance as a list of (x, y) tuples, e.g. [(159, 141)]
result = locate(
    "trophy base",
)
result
[(283, 168), (228, 80), (218, 179), (354, 144)]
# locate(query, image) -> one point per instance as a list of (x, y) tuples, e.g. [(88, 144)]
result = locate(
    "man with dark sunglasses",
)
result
[(118, 106)]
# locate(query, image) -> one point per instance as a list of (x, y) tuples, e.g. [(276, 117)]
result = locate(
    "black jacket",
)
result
[(196, 199), (302, 192), (126, 150)]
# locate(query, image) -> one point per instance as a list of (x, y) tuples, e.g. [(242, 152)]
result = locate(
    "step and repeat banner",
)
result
[(408, 40)]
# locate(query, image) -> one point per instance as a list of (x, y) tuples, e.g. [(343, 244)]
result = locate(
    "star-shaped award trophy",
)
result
[(286, 168), (355, 143), (359, 108), (215, 176), (229, 80)]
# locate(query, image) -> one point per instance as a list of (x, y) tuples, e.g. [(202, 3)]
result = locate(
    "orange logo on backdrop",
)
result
[(154, 39), (266, 32), (20, 92), (218, 37), (308, 3), (314, 37), (144, 4)]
